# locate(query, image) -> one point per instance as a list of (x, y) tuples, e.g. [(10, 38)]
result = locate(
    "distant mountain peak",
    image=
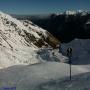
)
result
[(69, 12), (73, 12)]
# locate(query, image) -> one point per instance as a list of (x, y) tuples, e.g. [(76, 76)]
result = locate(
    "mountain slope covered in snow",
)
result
[(19, 42)]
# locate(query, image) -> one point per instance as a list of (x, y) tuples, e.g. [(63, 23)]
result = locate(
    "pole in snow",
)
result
[(69, 54), (70, 68)]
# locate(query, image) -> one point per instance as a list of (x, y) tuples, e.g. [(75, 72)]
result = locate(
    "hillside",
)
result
[(20, 41)]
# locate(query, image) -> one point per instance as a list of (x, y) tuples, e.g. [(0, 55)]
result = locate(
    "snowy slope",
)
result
[(19, 43), (81, 51), (79, 82), (80, 54), (12, 45), (32, 76), (45, 37)]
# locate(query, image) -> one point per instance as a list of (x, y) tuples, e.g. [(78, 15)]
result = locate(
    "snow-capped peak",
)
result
[(82, 12), (72, 12)]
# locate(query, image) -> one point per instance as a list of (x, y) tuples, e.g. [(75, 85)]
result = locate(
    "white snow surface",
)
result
[(14, 48), (32, 76)]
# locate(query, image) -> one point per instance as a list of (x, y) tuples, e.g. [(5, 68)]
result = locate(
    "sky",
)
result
[(42, 6)]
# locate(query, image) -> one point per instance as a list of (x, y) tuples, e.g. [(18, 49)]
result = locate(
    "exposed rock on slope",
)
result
[(45, 37)]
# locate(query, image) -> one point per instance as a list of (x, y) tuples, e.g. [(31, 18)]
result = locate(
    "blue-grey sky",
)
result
[(42, 6)]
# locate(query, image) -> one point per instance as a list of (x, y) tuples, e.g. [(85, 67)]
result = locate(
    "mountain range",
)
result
[(65, 26)]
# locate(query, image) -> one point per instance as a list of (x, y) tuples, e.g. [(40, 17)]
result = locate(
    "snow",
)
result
[(73, 12), (23, 55), (79, 82), (46, 54), (34, 27), (81, 51), (31, 76), (19, 24), (15, 47), (70, 12)]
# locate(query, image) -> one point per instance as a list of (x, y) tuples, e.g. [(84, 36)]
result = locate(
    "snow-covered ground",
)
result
[(78, 82), (32, 76)]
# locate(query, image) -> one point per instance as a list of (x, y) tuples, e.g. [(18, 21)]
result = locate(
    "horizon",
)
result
[(35, 7)]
